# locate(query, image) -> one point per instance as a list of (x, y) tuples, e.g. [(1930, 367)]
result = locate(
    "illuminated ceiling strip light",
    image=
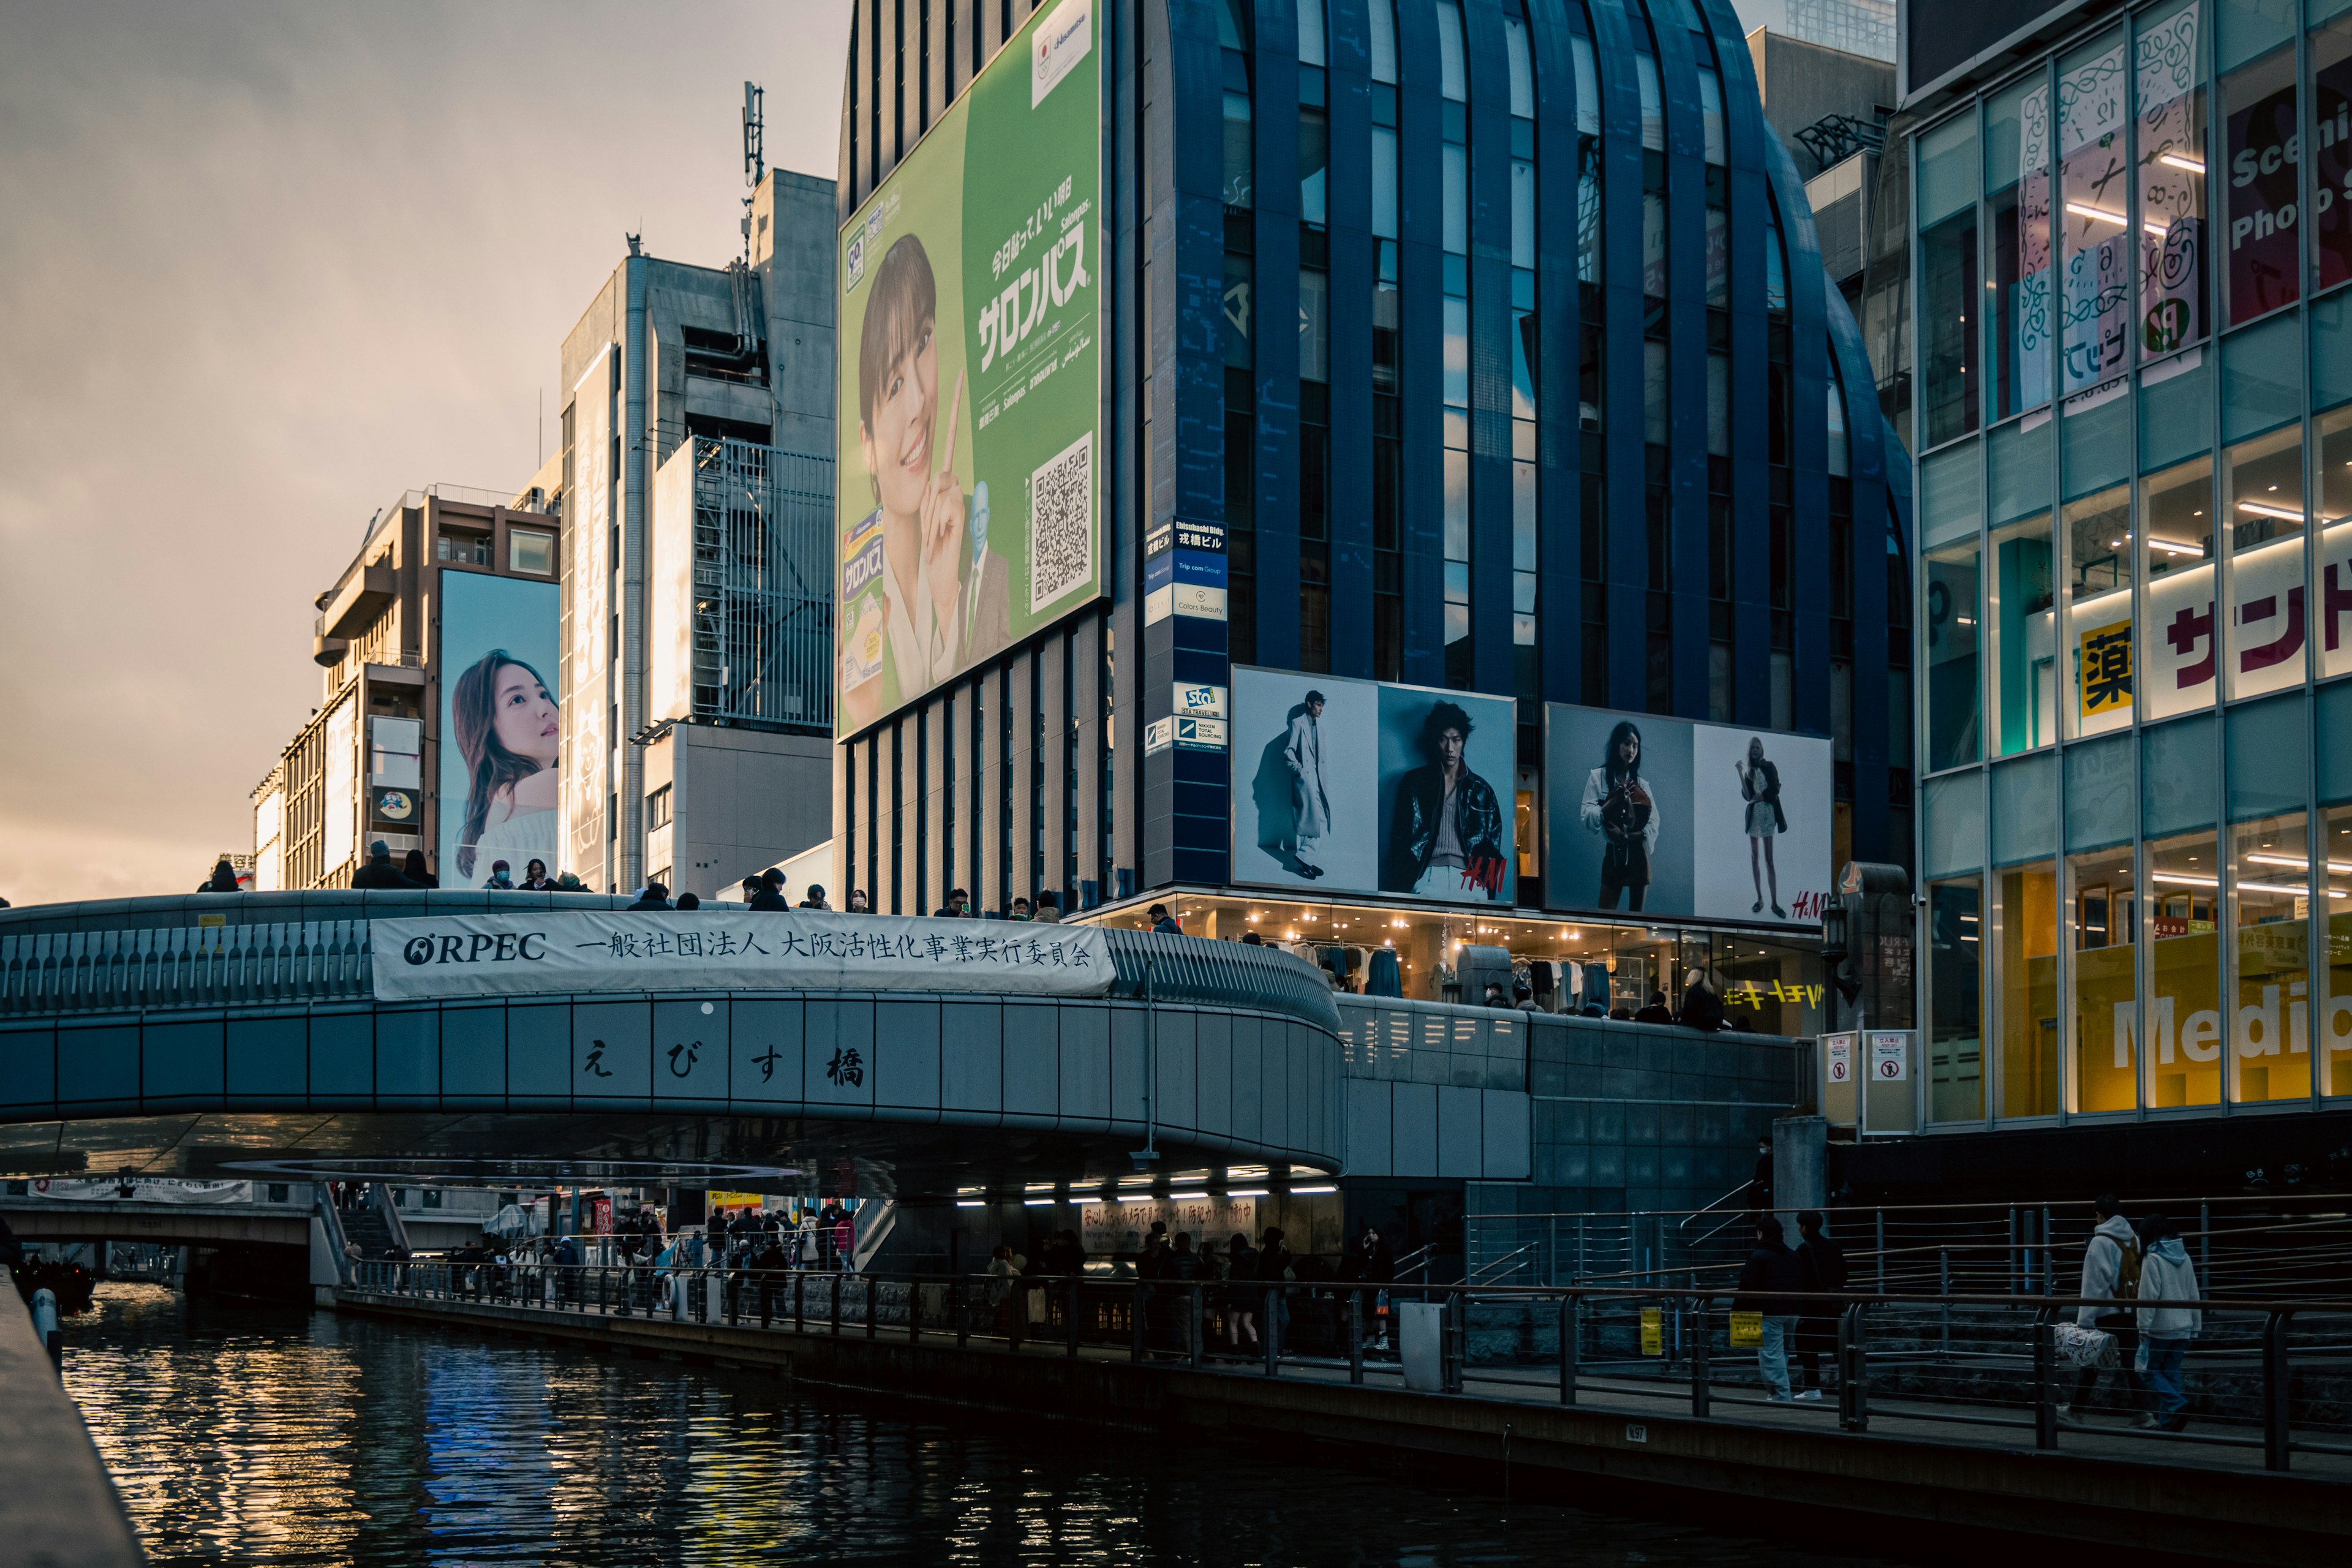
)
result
[(2176, 548), (2184, 879), (1250, 1192), (2341, 868), (1295, 1191), (1037, 1203), (2100, 214), (2264, 508), (2160, 231), (969, 1204), (2187, 165), (1188, 1197)]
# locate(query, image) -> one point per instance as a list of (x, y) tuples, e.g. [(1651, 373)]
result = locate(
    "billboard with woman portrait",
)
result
[(970, 385), (501, 730), (1645, 815)]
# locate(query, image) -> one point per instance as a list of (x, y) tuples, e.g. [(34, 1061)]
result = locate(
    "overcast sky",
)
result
[(262, 267)]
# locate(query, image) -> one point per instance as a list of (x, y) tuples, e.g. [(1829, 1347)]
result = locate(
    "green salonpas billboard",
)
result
[(971, 388)]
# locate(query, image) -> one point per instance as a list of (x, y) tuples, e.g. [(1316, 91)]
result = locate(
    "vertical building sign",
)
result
[(501, 739), (587, 660), (2033, 248), (2098, 277), (2171, 186)]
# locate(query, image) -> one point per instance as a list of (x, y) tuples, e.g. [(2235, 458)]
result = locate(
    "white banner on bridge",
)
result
[(139, 1190), (662, 950)]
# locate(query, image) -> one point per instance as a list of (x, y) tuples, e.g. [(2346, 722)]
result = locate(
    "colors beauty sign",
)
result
[(970, 386)]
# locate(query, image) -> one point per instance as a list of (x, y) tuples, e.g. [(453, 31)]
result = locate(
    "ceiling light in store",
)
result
[(2096, 215), (2186, 165)]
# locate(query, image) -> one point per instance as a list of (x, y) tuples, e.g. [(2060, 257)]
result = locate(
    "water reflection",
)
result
[(250, 1434)]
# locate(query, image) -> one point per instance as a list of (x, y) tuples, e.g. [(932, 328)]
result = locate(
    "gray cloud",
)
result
[(264, 267)]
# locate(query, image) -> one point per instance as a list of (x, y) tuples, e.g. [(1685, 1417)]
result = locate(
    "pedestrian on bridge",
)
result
[(766, 893), (1768, 1281), (2111, 1268), (2166, 1276)]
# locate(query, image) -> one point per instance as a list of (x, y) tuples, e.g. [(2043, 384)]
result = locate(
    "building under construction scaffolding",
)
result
[(743, 632)]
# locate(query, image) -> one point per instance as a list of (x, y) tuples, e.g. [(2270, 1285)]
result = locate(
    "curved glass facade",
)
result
[(2135, 562)]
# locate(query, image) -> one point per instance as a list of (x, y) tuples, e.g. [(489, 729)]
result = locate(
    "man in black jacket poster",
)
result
[(1448, 837)]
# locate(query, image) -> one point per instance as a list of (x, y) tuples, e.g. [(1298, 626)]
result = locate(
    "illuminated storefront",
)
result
[(2136, 742)]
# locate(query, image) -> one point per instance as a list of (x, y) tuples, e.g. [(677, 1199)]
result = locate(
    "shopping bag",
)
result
[(2078, 1347), (1747, 1329)]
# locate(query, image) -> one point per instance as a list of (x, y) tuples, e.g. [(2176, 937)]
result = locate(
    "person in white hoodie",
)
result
[(2167, 1278), (2111, 1266)]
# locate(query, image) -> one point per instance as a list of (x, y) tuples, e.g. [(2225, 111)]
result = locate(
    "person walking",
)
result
[(689, 901), (414, 870), (2167, 1278), (652, 896), (222, 880), (1759, 1186), (1049, 909), (535, 878), (501, 878), (765, 892), (1702, 1008), (767, 1267), (1020, 910), (1244, 1297), (1273, 1271), (1821, 1263), (956, 908), (1767, 1281), (815, 898), (858, 903), (379, 872), (1180, 1270), (2111, 1268), (1001, 1273), (1162, 924)]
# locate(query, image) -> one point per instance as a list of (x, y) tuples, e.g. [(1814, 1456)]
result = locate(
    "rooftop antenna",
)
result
[(755, 162)]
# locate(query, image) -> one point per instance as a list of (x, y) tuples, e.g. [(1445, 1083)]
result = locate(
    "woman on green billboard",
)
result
[(918, 605)]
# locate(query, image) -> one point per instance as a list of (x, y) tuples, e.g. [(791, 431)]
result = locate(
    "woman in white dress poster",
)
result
[(508, 730)]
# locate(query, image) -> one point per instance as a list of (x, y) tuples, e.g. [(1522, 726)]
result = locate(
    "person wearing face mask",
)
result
[(923, 597), (508, 730)]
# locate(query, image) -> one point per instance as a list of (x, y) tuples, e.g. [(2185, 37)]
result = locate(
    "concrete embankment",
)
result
[(1892, 1492), (58, 1507)]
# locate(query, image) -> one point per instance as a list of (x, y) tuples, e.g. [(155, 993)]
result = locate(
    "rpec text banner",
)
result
[(505, 955)]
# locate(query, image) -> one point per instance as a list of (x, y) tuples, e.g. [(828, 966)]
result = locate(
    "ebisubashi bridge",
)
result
[(515, 1037)]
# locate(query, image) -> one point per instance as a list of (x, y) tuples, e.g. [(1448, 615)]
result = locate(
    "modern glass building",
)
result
[(1481, 345), (2134, 424)]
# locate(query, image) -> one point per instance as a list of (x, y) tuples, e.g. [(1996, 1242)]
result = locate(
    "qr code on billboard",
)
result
[(1062, 524)]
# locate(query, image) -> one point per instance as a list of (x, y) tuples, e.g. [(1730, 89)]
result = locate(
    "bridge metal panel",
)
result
[(1127, 1051), (1248, 1119), (343, 1057), (764, 1051), (1032, 1060), (1368, 1150), (691, 1052), (837, 1070), (972, 1065), (98, 1069), (1509, 1155), (474, 1055), (182, 1063), (906, 1057), (612, 1050), (1461, 1131), (267, 1057), (1299, 1098), (539, 1057), (1213, 1071), (1413, 1129), (408, 1056), (1086, 1066), (28, 1066)]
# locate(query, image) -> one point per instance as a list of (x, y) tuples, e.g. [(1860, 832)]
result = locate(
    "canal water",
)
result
[(243, 1433)]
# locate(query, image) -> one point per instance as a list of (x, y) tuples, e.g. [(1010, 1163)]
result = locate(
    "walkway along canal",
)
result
[(1923, 1475)]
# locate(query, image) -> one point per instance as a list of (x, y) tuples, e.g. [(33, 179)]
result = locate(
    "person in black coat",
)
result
[(1769, 1282), (379, 872), (1822, 1262), (771, 896), (1273, 1261), (1657, 1012), (653, 897), (222, 880), (414, 870)]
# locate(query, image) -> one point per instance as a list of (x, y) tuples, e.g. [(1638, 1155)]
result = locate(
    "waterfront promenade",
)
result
[(1920, 1478)]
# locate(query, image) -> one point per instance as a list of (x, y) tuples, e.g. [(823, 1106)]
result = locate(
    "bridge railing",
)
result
[(2257, 1375), (183, 966)]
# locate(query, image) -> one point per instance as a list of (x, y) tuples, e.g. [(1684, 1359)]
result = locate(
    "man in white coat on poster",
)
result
[(1310, 804)]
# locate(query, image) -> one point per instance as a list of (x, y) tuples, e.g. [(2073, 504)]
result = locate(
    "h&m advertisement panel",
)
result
[(501, 734), (970, 504), (1656, 815), (1357, 786)]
